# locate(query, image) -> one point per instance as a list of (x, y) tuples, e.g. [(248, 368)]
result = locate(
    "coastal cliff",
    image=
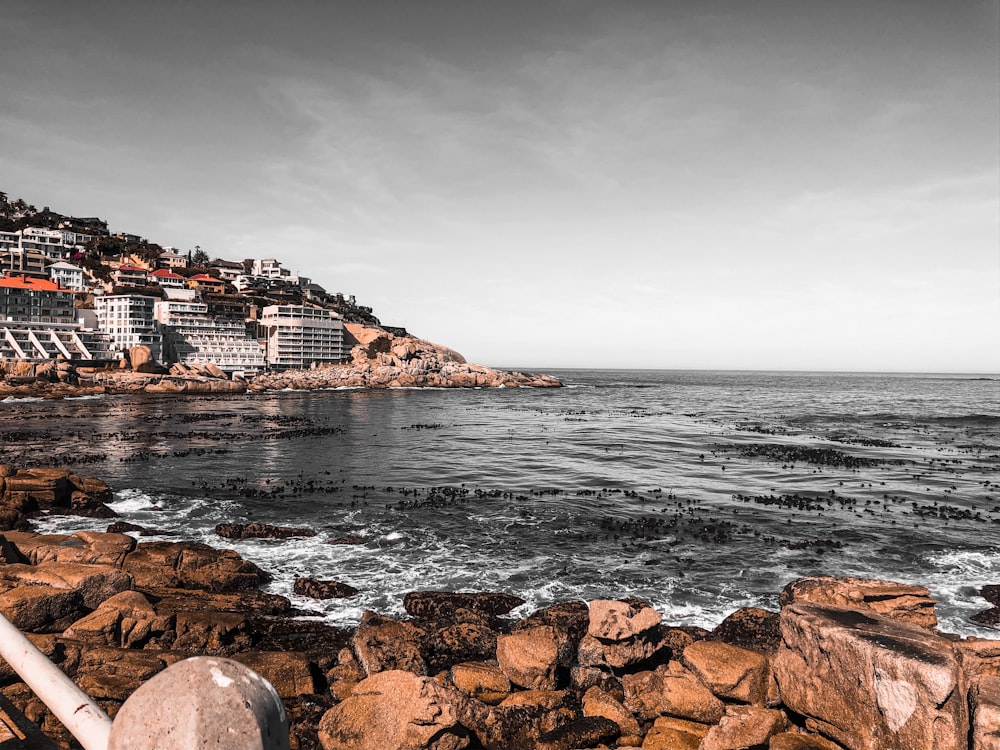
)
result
[(846, 664)]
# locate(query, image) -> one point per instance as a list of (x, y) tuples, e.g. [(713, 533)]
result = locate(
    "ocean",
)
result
[(701, 492)]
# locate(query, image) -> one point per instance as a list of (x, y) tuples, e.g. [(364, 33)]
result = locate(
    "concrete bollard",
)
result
[(73, 707), (202, 702)]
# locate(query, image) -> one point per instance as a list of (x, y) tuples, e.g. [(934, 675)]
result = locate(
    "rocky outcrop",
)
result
[(27, 492), (260, 531), (381, 359)]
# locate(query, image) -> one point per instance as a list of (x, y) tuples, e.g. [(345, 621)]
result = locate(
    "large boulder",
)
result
[(95, 583), (744, 727), (141, 359), (190, 565), (671, 690), (900, 601), (529, 657), (437, 604), (394, 710), (870, 682), (620, 634), (383, 644), (731, 672)]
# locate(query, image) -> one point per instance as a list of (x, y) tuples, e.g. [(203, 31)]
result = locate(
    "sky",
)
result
[(796, 185)]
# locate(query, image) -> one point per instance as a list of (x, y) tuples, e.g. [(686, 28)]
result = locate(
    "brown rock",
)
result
[(190, 565), (569, 622), (729, 671), (620, 620), (95, 583), (589, 731), (383, 644), (800, 741), (744, 727), (41, 609), (752, 628), (984, 702), (484, 682), (125, 620), (345, 675), (870, 682), (260, 531), (669, 733), (85, 547), (898, 601), (671, 691), (394, 710), (625, 653), (316, 589), (529, 657), (291, 673), (207, 632), (459, 642), (597, 702), (141, 358), (437, 604)]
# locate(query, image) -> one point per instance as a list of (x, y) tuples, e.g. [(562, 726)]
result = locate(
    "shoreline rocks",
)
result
[(847, 663), (379, 359)]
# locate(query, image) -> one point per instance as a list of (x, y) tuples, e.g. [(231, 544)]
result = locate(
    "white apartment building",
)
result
[(269, 268), (128, 320), (297, 336), (67, 275), (49, 242), (193, 337), (37, 322)]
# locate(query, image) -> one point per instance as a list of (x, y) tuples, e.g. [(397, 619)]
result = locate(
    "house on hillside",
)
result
[(67, 275), (128, 275), (207, 284), (170, 259)]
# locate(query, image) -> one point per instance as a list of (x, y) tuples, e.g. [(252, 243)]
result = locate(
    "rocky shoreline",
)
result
[(846, 663), (379, 359)]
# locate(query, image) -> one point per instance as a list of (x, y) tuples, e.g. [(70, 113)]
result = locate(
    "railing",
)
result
[(197, 702)]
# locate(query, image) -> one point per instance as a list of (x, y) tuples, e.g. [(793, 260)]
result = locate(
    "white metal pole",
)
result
[(73, 707)]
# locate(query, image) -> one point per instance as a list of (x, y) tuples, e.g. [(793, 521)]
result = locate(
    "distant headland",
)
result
[(84, 311)]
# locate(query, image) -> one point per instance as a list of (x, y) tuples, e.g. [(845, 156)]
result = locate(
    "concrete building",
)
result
[(67, 275), (35, 300), (128, 320), (193, 337), (168, 279), (129, 275), (207, 284), (297, 336), (26, 262), (171, 259), (38, 321)]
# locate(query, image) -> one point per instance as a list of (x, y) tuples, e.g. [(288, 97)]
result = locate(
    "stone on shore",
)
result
[(260, 531), (394, 710), (870, 682), (900, 601), (529, 657), (316, 589)]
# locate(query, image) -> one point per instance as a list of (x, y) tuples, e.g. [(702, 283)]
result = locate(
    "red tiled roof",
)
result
[(131, 268), (30, 282), (205, 277), (163, 273)]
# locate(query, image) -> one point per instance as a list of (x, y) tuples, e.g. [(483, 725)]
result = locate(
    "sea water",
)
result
[(701, 492)]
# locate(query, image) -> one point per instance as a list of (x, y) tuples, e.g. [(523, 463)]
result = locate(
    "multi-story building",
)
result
[(227, 270), (67, 275), (207, 284), (50, 242), (128, 275), (18, 261), (35, 300), (37, 321), (191, 336), (128, 320), (170, 259), (296, 336)]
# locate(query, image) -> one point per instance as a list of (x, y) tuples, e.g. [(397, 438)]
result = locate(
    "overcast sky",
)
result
[(740, 185)]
